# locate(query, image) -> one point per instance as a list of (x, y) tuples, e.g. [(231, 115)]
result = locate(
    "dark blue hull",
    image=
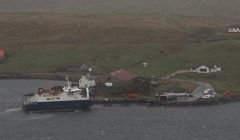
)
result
[(57, 106)]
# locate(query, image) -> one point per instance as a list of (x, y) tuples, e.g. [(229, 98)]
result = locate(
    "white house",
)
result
[(205, 68), (87, 81), (108, 84)]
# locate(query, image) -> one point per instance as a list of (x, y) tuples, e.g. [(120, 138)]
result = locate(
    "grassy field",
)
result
[(40, 43), (213, 8)]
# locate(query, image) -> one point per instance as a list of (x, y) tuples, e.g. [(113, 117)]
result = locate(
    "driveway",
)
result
[(198, 92), (202, 86)]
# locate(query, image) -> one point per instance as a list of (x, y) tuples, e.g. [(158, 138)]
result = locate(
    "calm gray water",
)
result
[(113, 123)]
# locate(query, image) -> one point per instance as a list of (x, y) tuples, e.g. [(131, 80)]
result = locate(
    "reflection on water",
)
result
[(117, 122)]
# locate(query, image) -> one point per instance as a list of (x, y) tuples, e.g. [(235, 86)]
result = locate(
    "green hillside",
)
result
[(43, 43), (209, 8)]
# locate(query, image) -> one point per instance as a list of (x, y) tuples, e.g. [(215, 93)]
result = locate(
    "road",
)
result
[(198, 92)]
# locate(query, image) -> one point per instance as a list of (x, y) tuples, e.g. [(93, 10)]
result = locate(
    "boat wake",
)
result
[(25, 117), (11, 110), (38, 116)]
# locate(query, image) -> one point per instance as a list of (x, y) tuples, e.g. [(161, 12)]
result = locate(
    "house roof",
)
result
[(2, 53), (123, 75), (199, 65)]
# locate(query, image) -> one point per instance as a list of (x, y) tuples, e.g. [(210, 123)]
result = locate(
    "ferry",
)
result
[(68, 97)]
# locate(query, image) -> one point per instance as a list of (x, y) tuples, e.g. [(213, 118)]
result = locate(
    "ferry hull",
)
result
[(57, 106)]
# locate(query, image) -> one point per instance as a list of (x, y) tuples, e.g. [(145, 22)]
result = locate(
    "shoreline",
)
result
[(158, 103), (119, 100)]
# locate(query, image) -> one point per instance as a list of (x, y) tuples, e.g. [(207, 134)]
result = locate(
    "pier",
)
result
[(154, 102)]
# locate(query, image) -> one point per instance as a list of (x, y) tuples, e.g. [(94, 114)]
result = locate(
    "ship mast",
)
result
[(68, 83)]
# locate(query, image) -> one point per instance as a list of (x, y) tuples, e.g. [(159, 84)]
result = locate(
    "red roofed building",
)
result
[(123, 75), (2, 53)]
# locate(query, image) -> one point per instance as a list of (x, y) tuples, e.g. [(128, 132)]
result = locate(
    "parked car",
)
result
[(132, 95), (208, 96), (209, 91)]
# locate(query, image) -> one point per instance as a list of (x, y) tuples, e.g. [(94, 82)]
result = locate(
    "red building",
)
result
[(2, 53), (123, 75)]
